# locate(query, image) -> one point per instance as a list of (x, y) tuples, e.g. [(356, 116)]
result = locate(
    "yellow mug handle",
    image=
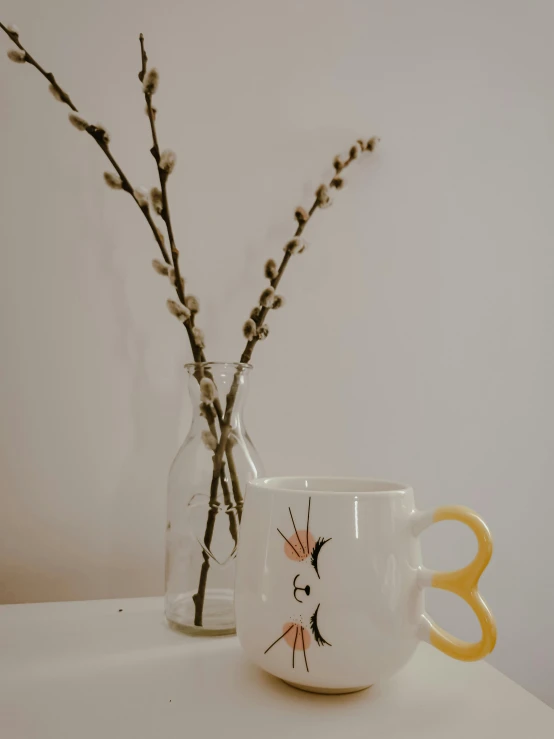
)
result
[(462, 582)]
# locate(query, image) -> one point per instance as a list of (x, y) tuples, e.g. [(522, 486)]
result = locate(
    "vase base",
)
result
[(193, 630), (218, 615)]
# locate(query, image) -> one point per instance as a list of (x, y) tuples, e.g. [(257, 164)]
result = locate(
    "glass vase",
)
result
[(205, 493)]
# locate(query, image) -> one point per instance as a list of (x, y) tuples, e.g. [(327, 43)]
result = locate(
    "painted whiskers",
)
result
[(302, 546)]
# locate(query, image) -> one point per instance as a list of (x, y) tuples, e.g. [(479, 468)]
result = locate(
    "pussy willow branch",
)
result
[(231, 397), (251, 344), (197, 351), (199, 357), (64, 97), (97, 133), (162, 176)]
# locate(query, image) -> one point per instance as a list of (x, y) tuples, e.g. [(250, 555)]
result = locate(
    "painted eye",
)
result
[(315, 630), (315, 553)]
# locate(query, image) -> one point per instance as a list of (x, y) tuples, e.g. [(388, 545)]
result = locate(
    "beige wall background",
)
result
[(417, 340)]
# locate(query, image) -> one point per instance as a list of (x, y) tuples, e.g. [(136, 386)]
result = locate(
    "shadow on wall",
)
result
[(136, 561)]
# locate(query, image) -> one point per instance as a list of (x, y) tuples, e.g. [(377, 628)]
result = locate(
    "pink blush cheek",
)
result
[(298, 547), (295, 634)]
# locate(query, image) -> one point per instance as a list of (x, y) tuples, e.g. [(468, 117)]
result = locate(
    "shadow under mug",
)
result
[(330, 583)]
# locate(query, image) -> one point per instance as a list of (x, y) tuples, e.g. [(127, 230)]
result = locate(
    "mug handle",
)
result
[(463, 582)]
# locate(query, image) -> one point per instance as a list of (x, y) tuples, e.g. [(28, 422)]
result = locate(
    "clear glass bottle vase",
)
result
[(205, 493)]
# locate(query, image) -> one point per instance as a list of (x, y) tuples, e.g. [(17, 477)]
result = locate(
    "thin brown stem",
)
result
[(230, 402), (251, 344), (162, 175), (199, 597), (197, 351), (97, 133), (127, 186), (64, 97), (235, 482), (199, 356), (225, 426), (233, 529), (143, 57)]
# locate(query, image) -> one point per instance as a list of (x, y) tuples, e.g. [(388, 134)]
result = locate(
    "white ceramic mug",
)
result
[(329, 589)]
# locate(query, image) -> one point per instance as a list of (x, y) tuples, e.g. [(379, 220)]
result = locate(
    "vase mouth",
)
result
[(191, 367)]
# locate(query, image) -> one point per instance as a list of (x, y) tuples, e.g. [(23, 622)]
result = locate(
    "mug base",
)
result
[(326, 691)]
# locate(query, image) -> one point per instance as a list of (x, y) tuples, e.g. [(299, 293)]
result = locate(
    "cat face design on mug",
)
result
[(303, 629)]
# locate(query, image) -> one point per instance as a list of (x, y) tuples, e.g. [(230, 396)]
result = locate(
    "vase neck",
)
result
[(218, 388)]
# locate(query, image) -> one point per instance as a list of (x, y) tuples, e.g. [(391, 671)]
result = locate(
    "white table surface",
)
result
[(83, 670)]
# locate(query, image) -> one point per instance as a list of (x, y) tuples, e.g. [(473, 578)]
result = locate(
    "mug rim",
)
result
[(300, 484)]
